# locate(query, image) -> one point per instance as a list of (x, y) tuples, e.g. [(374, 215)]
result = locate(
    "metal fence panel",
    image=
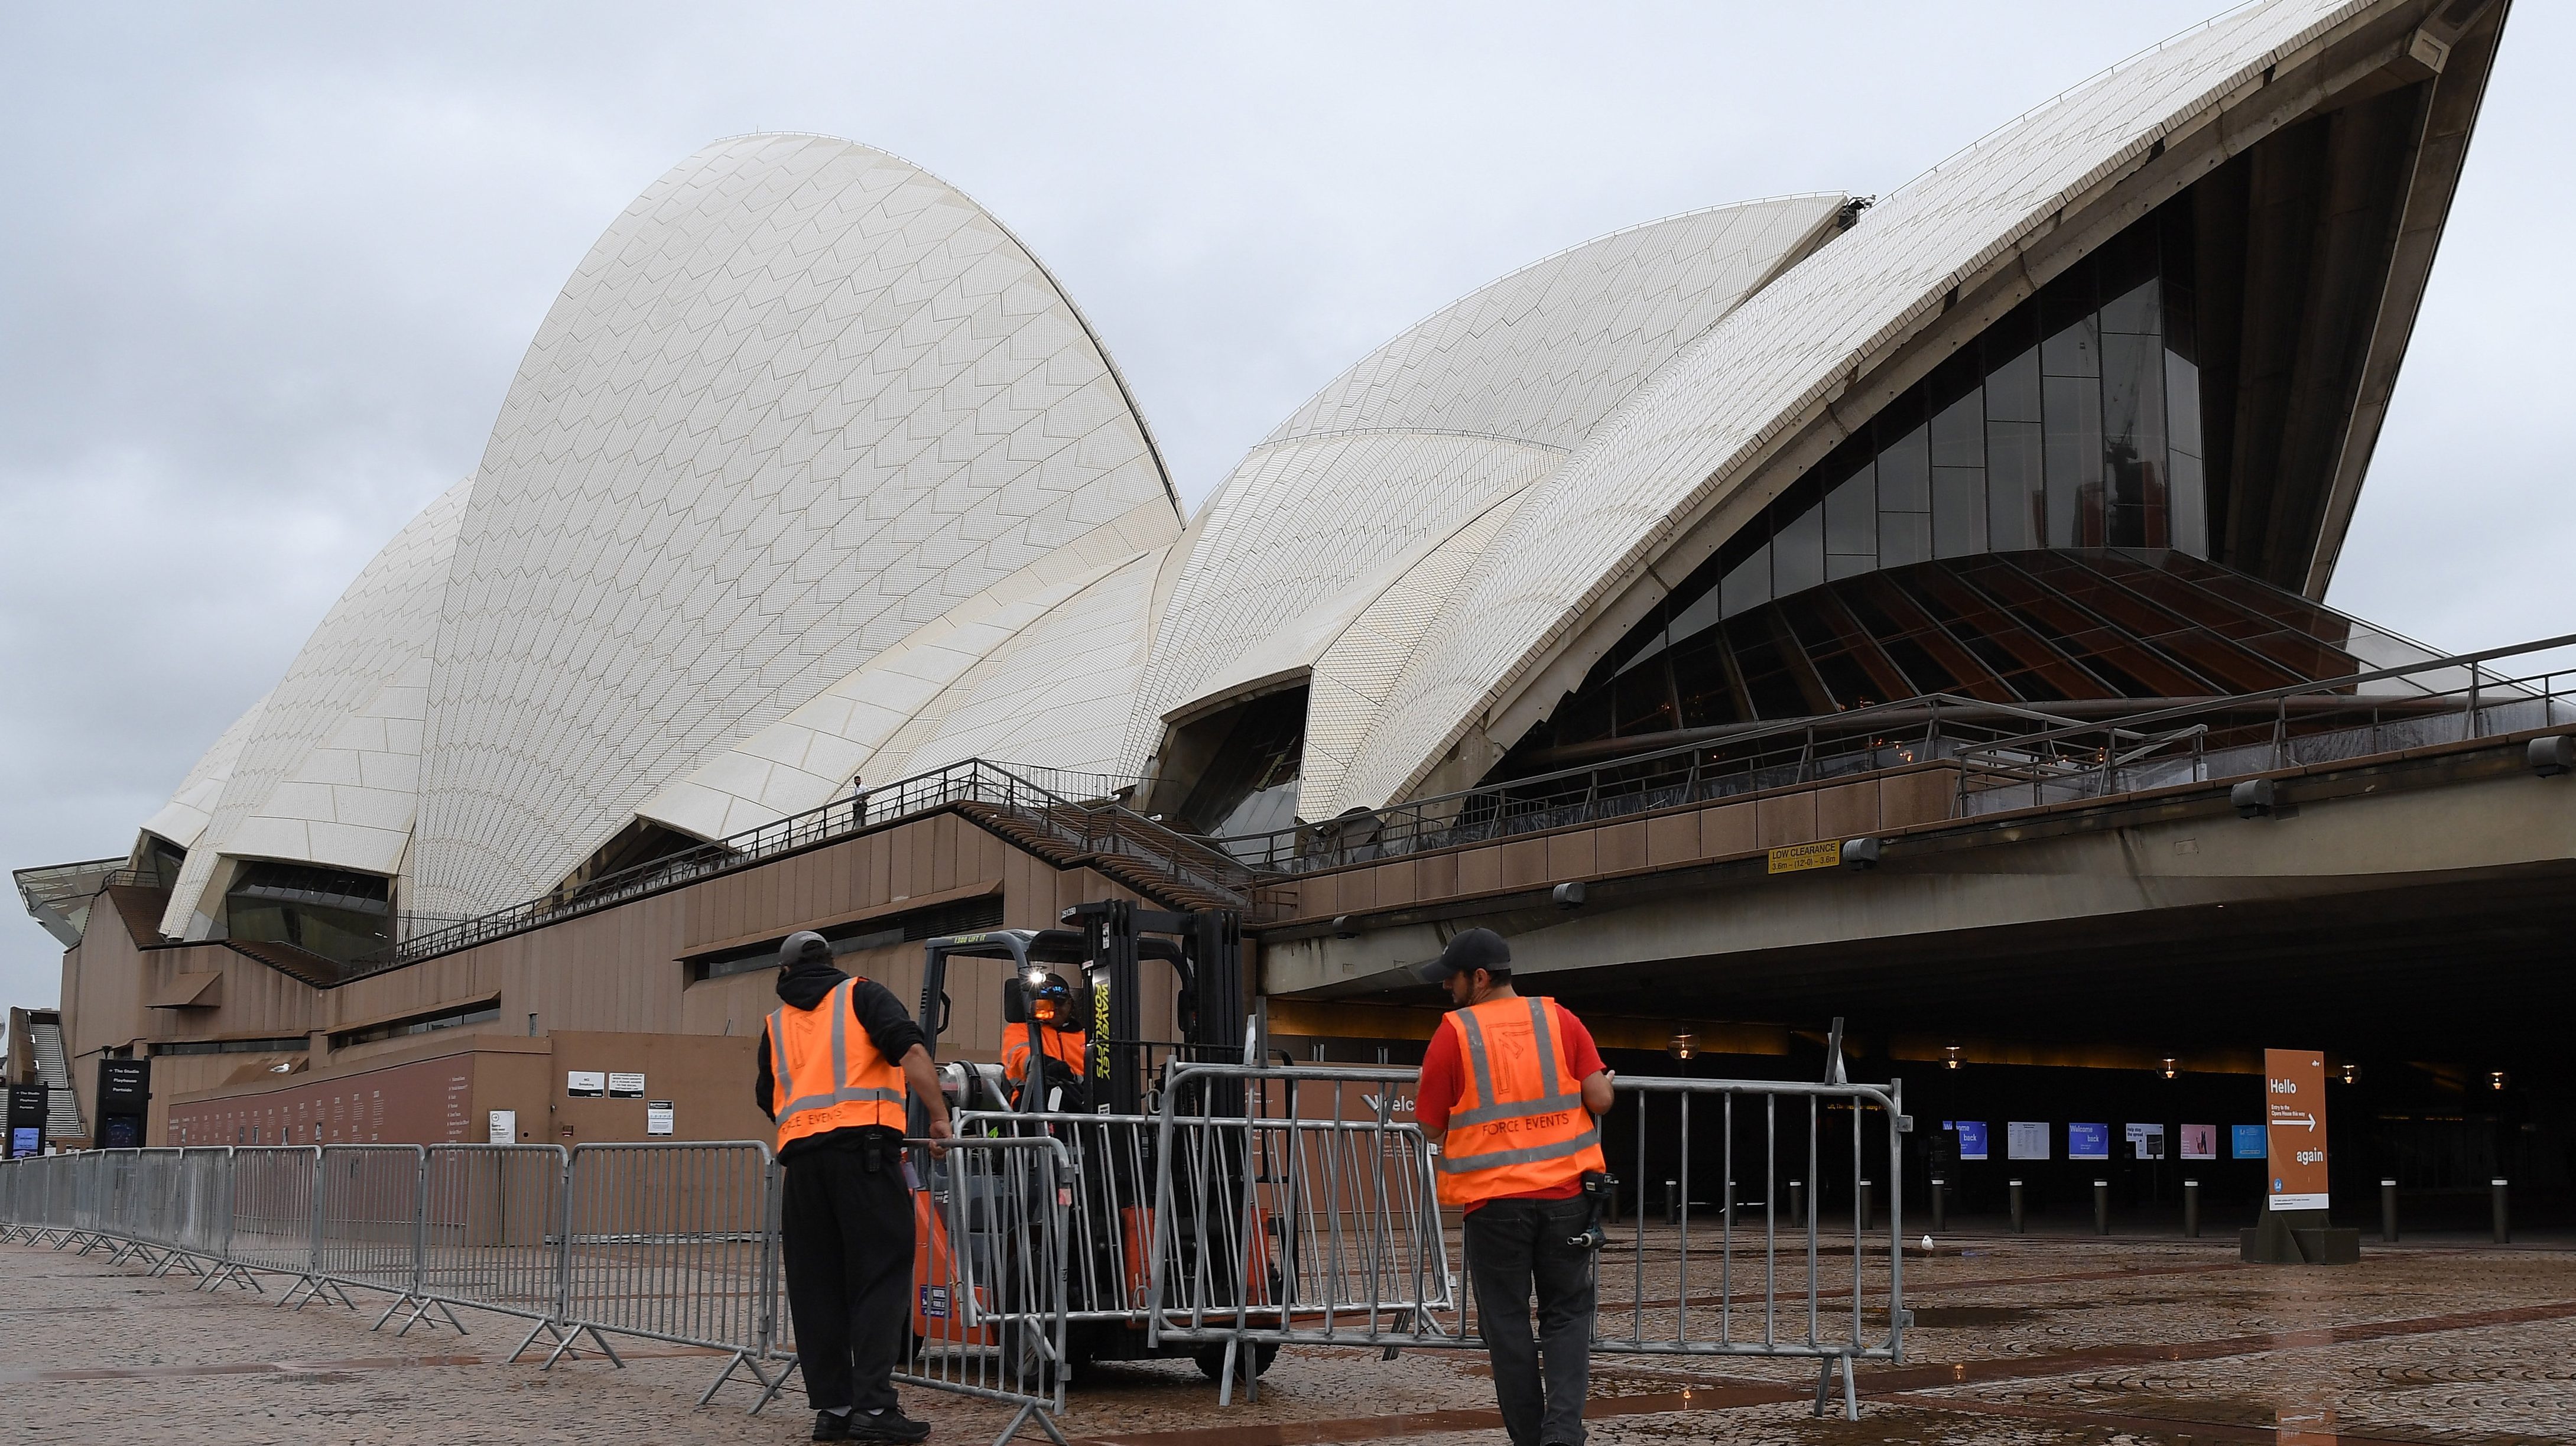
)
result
[(492, 1227), (667, 1242), (275, 1191), (991, 1253)]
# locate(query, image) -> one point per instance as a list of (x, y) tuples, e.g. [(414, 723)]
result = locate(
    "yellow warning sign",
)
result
[(1822, 854)]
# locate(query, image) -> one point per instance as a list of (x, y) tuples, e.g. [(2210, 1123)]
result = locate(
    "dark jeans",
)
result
[(847, 1227), (1514, 1246)]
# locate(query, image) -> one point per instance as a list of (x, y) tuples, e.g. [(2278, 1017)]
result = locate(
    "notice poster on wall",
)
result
[(502, 1128), (2246, 1142), (2294, 1093), (622, 1086), (2027, 1139), (585, 1084), (2088, 1142), (1972, 1138), (2200, 1142), (2148, 1139), (657, 1117)]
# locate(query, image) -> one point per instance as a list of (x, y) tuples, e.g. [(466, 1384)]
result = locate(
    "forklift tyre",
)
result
[(1211, 1359)]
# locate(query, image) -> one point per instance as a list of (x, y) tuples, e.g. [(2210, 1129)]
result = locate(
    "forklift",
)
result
[(1103, 1111)]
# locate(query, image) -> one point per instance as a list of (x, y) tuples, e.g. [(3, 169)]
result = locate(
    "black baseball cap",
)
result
[(1472, 950)]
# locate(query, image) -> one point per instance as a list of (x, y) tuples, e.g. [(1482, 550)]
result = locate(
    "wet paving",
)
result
[(2015, 1340)]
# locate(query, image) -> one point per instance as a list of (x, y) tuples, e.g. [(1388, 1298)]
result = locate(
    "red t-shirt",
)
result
[(1443, 1085)]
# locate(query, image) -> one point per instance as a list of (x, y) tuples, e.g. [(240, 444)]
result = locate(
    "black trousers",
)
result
[(847, 1228), (1516, 1250)]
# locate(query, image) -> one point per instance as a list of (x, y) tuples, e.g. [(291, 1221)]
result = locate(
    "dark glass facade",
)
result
[(2072, 422)]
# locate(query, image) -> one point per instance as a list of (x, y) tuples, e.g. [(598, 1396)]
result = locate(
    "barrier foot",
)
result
[(1824, 1386), (564, 1349), (741, 1361), (421, 1307), (228, 1272), (399, 1302), (540, 1328), (181, 1259), (1045, 1418), (786, 1373)]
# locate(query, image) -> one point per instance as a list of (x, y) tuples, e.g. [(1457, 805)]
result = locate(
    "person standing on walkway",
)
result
[(838, 1095), (1513, 1088)]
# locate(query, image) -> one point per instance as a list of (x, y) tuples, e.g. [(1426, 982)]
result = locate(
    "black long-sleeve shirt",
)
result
[(889, 1027)]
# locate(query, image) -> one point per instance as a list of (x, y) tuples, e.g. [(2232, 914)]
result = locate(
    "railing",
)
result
[(2047, 754), (2449, 700), (1077, 810)]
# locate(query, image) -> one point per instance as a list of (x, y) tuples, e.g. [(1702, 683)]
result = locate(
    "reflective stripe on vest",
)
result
[(795, 1100), (1469, 1174)]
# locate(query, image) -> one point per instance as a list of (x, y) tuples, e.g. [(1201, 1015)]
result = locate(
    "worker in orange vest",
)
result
[(1513, 1088), (839, 1062), (1060, 1034)]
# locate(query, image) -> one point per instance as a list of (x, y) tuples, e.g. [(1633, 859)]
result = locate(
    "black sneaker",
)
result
[(832, 1425), (887, 1425)]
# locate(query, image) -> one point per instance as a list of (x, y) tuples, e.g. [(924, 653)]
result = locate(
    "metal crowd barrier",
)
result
[(491, 1231), (667, 1242), (992, 1304), (1308, 1216)]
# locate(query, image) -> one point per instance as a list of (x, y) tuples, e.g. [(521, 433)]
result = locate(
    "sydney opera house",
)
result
[(822, 564)]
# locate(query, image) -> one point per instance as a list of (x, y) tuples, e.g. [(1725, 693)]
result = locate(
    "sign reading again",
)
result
[(2294, 1114)]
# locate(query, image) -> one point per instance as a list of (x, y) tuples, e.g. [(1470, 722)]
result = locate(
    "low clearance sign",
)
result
[(2294, 1099)]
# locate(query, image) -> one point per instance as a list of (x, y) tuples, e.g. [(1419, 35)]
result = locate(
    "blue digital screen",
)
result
[(25, 1140), (1972, 1139), (2249, 1142), (2088, 1142)]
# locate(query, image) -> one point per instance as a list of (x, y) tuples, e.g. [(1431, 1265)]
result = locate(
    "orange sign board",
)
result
[(2294, 1114)]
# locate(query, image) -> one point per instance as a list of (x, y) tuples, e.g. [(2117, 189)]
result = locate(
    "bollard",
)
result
[(2101, 1207), (1797, 1199), (2191, 1209), (1940, 1214), (2018, 1218), (1868, 1210), (2503, 1223), (2388, 1211), (1672, 1202)]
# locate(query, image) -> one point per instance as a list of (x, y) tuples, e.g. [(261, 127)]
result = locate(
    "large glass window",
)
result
[(2072, 422)]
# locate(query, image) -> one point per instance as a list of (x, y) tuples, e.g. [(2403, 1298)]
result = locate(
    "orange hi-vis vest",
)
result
[(1522, 1126), (1067, 1045), (826, 1075)]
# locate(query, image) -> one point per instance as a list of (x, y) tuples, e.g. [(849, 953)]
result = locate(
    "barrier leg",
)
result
[(740, 1361), (543, 1327), (1027, 1410), (786, 1374)]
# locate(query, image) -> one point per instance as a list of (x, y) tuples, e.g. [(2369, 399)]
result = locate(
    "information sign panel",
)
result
[(624, 1086), (588, 1084), (657, 1117), (2150, 1140), (1796, 858), (2088, 1142), (502, 1128), (2294, 1098), (2200, 1142), (2027, 1139), (1972, 1139), (2247, 1142)]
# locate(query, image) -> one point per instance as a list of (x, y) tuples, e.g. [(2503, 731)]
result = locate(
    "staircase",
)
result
[(62, 1107), (319, 970)]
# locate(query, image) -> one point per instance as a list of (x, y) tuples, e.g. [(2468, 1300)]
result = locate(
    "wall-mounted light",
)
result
[(1682, 1046), (2169, 1068), (2495, 1079), (2352, 1074), (1950, 1056)]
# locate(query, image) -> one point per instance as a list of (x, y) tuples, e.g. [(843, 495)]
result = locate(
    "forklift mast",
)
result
[(1108, 942)]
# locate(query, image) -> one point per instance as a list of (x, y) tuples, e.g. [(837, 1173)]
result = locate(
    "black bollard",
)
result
[(2191, 1209), (1798, 1200), (1868, 1208), (2388, 1211), (1940, 1214), (2503, 1222), (2101, 1207), (2018, 1218), (1672, 1202)]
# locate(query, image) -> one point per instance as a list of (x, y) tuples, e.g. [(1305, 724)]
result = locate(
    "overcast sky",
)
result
[(265, 272)]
